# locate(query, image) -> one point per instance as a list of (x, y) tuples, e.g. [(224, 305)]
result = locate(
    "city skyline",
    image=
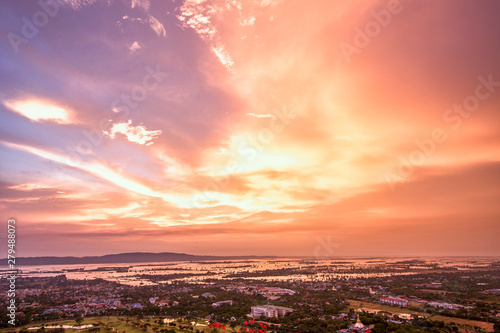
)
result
[(251, 127)]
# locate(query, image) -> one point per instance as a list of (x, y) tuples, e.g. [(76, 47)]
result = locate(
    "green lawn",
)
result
[(116, 324)]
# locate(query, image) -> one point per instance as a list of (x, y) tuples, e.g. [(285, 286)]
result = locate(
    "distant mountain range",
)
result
[(121, 258)]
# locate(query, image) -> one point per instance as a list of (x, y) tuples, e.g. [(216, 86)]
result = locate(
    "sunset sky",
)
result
[(264, 127)]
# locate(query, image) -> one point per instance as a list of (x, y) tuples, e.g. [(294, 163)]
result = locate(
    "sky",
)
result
[(259, 127)]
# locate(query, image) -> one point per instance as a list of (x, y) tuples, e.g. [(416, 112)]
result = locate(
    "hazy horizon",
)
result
[(270, 256), (267, 127)]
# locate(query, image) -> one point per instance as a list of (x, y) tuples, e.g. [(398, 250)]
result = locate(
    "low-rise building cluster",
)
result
[(269, 311)]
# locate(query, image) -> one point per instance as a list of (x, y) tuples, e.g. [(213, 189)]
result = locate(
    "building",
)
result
[(358, 327), (263, 311), (230, 302), (445, 305), (394, 301), (359, 324), (275, 291), (269, 311), (432, 285)]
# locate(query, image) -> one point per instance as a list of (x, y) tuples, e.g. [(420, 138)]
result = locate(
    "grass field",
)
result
[(438, 291), (114, 324), (488, 327)]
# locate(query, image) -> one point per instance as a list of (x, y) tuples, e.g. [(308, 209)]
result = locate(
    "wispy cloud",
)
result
[(29, 187), (248, 21), (137, 134), (101, 171), (39, 110), (144, 4), (267, 115), (157, 26), (135, 46), (78, 4), (198, 15), (223, 56)]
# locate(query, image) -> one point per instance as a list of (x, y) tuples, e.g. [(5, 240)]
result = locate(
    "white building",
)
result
[(269, 311), (275, 291), (444, 305), (230, 302), (394, 301)]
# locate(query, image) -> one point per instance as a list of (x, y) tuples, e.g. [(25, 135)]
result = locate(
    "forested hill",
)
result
[(134, 257)]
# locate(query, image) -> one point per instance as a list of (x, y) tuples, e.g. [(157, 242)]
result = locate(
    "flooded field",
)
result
[(285, 269)]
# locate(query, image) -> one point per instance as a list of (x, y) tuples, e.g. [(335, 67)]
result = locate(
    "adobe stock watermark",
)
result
[(426, 147), (249, 150), (325, 248), (12, 271), (30, 26), (364, 36), (120, 111)]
